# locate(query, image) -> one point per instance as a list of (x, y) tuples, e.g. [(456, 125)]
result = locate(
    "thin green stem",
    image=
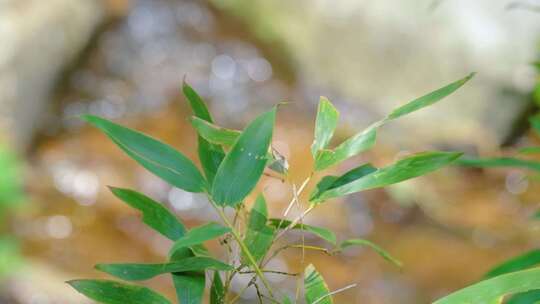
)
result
[(294, 222), (245, 250)]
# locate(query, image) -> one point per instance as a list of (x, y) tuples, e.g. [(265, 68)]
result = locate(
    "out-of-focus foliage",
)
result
[(11, 192), (11, 195), (515, 265), (517, 161)]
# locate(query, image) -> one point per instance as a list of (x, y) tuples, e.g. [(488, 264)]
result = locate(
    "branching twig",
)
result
[(245, 250)]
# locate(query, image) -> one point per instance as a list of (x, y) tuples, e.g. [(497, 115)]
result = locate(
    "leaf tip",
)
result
[(88, 118), (101, 267), (72, 283), (184, 82)]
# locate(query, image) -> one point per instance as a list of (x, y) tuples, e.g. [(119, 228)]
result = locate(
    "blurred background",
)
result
[(125, 60)]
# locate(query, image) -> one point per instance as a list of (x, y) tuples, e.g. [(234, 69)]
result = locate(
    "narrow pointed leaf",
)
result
[(215, 134), (521, 262), (323, 233), (259, 235), (324, 184), (330, 182), (528, 297), (407, 168), (499, 162), (244, 164), (199, 235), (217, 291), (196, 103), (364, 140), (110, 292), (494, 289), (383, 253), (155, 215), (355, 145), (227, 137), (316, 290), (325, 124), (429, 99), (189, 287), (156, 156), (139, 272), (210, 154)]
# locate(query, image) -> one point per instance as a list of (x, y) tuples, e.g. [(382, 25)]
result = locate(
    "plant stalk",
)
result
[(245, 250)]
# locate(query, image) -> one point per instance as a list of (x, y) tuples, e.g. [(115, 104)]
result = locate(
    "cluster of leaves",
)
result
[(233, 162)]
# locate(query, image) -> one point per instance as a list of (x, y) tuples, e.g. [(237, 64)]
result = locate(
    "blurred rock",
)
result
[(38, 40), (41, 283), (383, 53)]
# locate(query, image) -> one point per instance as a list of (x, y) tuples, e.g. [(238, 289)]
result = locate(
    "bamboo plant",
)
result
[(233, 163)]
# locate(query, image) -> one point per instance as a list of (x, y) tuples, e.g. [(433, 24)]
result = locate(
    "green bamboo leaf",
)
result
[(429, 99), (157, 157), (226, 137), (199, 235), (213, 133), (244, 164), (210, 154), (364, 140), (325, 124), (196, 103), (324, 184), (383, 253), (139, 272), (189, 287), (521, 262), (331, 182), (259, 235), (110, 292), (323, 233), (499, 162), (316, 290), (407, 168), (528, 297), (355, 145), (217, 292), (155, 215), (494, 289)]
